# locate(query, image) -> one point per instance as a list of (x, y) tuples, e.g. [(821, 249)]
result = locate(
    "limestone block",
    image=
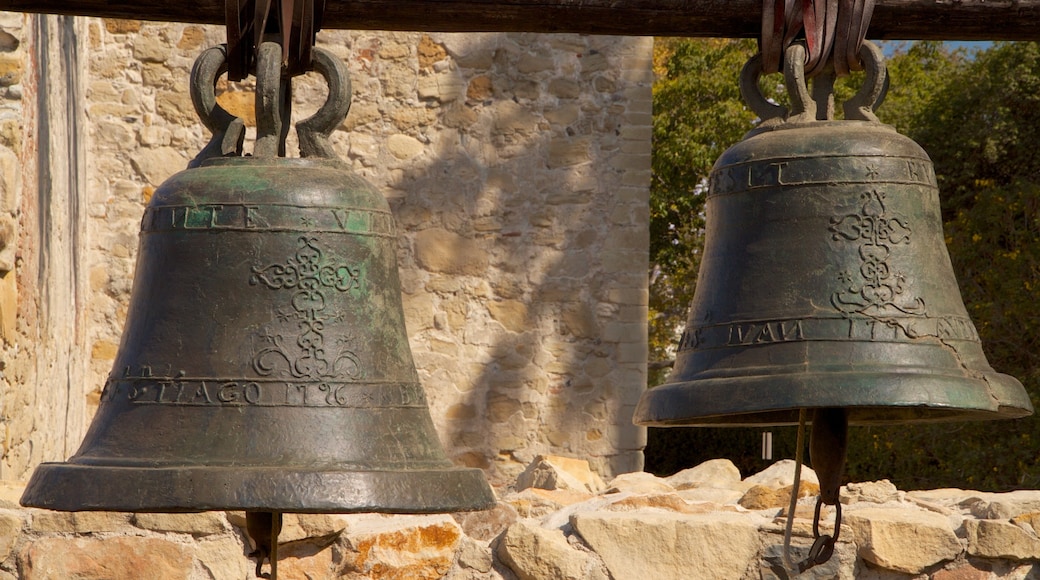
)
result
[(118, 558), (1003, 506), (414, 547), (475, 555), (439, 250), (962, 571), (781, 474), (8, 307), (222, 558), (716, 473), (10, 530), (430, 52), (11, 69), (487, 524), (711, 494), (760, 497), (198, 524), (870, 491), (307, 560), (78, 522), (883, 538), (10, 491), (667, 546), (512, 314), (404, 146), (1029, 521), (566, 152), (536, 553), (538, 503), (555, 472), (148, 48), (1000, 539), (639, 482), (120, 26), (158, 164)]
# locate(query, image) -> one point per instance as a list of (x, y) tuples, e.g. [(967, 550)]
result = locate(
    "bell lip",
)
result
[(72, 487), (871, 398)]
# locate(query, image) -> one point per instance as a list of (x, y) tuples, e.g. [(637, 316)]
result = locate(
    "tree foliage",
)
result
[(979, 120)]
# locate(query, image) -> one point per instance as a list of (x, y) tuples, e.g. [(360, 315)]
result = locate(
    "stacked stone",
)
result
[(561, 521), (517, 166)]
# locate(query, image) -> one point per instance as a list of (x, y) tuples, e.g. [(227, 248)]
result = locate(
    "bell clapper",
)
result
[(263, 529), (828, 446)]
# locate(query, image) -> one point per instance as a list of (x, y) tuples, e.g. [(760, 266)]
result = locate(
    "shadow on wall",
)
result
[(518, 169)]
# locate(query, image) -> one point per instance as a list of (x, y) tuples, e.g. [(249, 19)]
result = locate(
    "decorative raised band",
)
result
[(252, 392), (267, 217), (821, 170), (859, 329)]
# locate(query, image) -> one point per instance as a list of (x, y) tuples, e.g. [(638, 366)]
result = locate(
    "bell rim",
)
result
[(182, 489), (872, 398)]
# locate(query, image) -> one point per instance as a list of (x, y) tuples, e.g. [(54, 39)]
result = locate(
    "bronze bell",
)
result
[(265, 363), (825, 281)]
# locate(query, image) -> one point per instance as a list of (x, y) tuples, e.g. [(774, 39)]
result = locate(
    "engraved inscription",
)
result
[(876, 288), (820, 170), (224, 392), (837, 329), (271, 217), (765, 332), (309, 276)]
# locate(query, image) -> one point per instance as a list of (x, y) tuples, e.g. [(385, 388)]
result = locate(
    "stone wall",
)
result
[(517, 167), (562, 522)]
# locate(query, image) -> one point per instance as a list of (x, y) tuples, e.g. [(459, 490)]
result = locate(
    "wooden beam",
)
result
[(893, 19)]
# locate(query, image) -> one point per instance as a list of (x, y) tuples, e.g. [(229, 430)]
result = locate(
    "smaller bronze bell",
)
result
[(825, 281), (265, 364)]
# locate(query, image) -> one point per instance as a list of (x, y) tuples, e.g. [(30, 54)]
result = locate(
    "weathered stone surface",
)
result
[(10, 529), (442, 251), (199, 524), (404, 146), (870, 491), (639, 482), (554, 472), (711, 494), (655, 545), (413, 547), (536, 553), (761, 497), (475, 555), (222, 558), (961, 571), (781, 474), (156, 165), (537, 503), (485, 525), (1001, 539), (716, 473), (882, 536), (118, 558), (79, 522)]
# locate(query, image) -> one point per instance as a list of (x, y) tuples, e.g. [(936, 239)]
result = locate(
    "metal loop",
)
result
[(769, 113), (314, 131), (228, 130), (273, 102), (861, 107), (803, 106)]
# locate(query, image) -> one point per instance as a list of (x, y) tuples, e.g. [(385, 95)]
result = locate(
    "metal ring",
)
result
[(314, 131), (861, 107), (228, 130), (803, 107), (749, 89)]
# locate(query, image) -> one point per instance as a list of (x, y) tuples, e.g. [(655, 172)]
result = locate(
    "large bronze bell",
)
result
[(264, 364), (825, 281)]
